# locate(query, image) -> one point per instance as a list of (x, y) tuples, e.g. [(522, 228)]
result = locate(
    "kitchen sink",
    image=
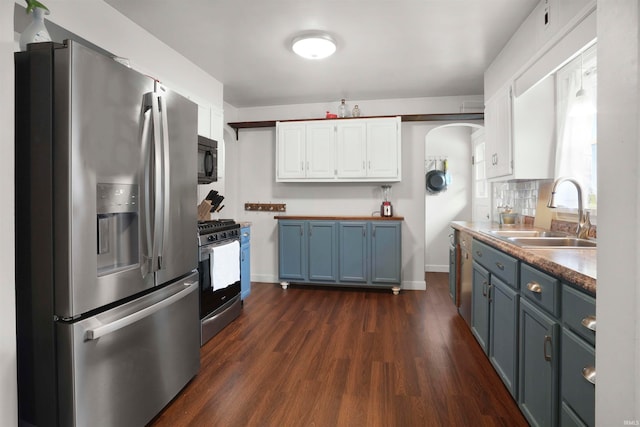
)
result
[(552, 242), (526, 233), (541, 239)]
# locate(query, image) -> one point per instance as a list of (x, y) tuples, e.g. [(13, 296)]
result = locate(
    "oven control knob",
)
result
[(211, 238), (224, 235)]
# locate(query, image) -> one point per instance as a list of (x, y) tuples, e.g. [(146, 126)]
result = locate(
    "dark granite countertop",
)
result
[(573, 265)]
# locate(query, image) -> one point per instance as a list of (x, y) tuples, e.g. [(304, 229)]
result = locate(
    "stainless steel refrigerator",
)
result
[(106, 240)]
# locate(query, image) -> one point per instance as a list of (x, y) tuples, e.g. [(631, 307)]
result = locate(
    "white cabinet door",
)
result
[(291, 156), (204, 121), (352, 149), (498, 134), (320, 150), (383, 148)]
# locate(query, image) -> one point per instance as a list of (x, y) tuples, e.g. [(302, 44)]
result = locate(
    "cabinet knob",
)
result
[(589, 374), (500, 265), (534, 287), (589, 322)]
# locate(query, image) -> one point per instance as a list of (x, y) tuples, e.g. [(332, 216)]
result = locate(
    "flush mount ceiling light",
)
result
[(314, 45)]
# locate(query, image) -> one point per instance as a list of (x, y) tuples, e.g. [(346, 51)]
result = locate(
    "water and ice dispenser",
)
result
[(117, 212)]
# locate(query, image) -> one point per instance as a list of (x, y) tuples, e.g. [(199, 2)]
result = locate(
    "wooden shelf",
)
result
[(404, 117)]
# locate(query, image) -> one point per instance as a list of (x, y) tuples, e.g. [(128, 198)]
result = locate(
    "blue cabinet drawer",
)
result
[(579, 313), (540, 288), (498, 263), (578, 360)]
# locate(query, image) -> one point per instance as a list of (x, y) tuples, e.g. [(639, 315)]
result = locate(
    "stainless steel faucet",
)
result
[(584, 222)]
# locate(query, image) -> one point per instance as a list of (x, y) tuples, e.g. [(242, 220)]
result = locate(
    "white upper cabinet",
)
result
[(353, 150), (520, 133), (383, 149), (320, 150), (204, 121), (498, 132), (291, 153)]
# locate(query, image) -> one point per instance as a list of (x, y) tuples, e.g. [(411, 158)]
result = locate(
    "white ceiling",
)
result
[(386, 48)]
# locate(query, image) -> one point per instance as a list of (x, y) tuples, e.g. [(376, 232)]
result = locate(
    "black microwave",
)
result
[(207, 160)]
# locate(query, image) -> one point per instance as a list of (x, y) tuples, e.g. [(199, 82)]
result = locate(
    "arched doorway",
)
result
[(453, 143)]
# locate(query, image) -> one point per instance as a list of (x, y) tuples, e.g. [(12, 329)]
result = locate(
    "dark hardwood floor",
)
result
[(344, 357)]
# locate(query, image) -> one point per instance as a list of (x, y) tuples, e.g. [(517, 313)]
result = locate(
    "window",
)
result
[(576, 152)]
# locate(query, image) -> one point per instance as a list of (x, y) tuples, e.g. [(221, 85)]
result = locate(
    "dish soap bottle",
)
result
[(342, 110)]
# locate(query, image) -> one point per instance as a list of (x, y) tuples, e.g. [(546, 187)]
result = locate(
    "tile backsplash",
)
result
[(521, 196)]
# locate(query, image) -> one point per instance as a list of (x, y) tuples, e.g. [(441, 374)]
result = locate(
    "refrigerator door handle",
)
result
[(106, 329), (157, 175), (146, 183), (165, 184)]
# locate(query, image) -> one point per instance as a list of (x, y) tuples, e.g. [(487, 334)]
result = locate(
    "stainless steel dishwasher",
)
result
[(466, 276)]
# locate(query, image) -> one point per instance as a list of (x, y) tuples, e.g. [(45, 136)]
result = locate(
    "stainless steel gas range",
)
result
[(219, 267)]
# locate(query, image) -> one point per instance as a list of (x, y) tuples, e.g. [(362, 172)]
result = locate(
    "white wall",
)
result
[(253, 158), (8, 388), (98, 23), (454, 143), (618, 300), (525, 47)]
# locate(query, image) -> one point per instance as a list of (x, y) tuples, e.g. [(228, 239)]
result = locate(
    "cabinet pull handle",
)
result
[(484, 288), (589, 374), (301, 165), (534, 287), (500, 265), (589, 322), (547, 339), (489, 292), (479, 254)]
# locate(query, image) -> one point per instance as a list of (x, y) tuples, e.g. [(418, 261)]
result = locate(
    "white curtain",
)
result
[(576, 132)]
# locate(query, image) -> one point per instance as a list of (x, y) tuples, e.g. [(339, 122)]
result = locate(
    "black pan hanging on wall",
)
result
[(436, 179)]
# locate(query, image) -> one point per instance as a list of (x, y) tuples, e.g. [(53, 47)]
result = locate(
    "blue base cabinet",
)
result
[(292, 250), (342, 253), (538, 366), (480, 306), (539, 334), (494, 310), (245, 262), (354, 263), (323, 259), (503, 345)]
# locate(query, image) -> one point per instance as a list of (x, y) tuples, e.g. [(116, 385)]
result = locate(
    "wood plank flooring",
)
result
[(344, 357)]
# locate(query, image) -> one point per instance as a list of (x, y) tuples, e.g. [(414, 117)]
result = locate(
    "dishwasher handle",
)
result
[(106, 329)]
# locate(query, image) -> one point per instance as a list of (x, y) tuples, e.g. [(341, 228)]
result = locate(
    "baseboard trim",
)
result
[(431, 268), (414, 285)]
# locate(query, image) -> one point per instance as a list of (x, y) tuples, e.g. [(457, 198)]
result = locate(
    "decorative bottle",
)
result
[(356, 111), (36, 31), (342, 110)]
